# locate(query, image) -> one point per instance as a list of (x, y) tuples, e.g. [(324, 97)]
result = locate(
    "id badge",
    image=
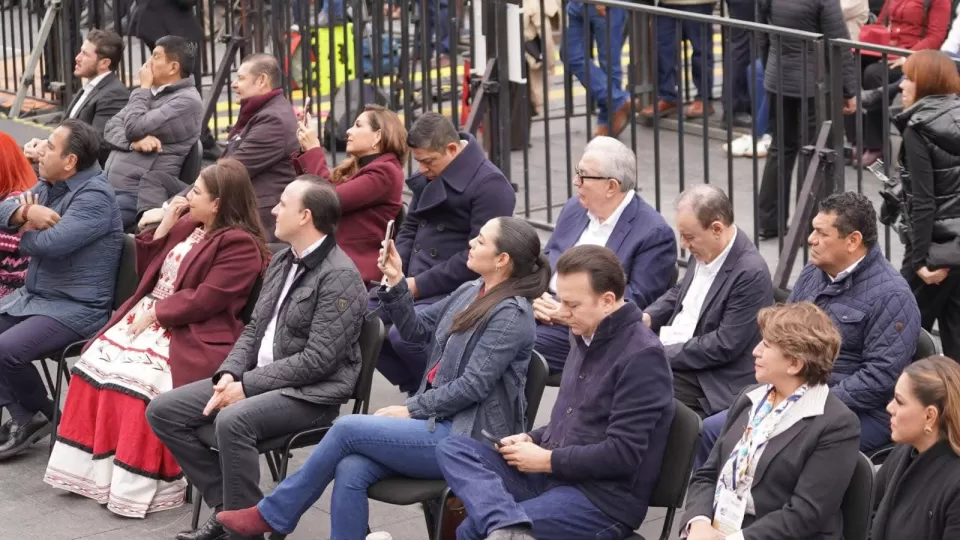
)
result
[(728, 518)]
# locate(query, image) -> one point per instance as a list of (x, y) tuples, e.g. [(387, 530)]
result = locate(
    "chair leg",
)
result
[(438, 519), (273, 467), (197, 505), (57, 395), (189, 497), (46, 374), (284, 464)]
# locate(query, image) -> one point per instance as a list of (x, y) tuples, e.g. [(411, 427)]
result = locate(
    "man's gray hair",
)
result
[(615, 160), (709, 203)]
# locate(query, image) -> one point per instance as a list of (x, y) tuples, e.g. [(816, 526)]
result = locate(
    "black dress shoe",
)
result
[(767, 234), (22, 436), (211, 530)]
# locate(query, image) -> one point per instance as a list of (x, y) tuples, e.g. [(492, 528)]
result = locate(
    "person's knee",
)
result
[(455, 450), (354, 472), (231, 427)]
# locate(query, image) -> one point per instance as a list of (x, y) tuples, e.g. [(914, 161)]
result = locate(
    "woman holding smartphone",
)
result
[(930, 174), (369, 182), (480, 338)]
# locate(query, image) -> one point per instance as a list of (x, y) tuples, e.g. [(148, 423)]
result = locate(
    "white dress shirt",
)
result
[(87, 88), (157, 89), (265, 354), (598, 232), (685, 323), (847, 272)]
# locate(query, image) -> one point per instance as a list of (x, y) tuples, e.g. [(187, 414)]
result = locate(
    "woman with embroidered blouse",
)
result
[(789, 447), (16, 176), (196, 270)]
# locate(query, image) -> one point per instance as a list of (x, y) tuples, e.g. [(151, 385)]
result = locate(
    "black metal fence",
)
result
[(553, 76)]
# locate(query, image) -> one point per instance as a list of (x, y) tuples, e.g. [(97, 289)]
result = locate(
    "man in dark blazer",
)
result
[(708, 321), (104, 94), (608, 212), (455, 193)]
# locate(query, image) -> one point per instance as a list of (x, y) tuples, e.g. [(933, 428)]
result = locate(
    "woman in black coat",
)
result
[(930, 175), (918, 487)]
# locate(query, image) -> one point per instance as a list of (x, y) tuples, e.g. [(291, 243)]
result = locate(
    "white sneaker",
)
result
[(742, 146), (763, 146), (379, 535)]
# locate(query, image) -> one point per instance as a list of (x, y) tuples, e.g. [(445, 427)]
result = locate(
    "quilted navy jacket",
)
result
[(879, 322)]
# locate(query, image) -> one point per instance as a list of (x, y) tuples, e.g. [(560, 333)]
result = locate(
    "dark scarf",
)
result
[(250, 107), (366, 160)]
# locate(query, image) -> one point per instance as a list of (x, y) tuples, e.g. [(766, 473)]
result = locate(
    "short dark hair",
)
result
[(109, 46), (83, 141), (179, 50), (432, 131), (600, 264), (323, 202), (709, 203), (854, 212), (264, 64)]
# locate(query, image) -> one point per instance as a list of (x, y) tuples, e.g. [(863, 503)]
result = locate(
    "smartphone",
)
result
[(495, 440), (387, 238)]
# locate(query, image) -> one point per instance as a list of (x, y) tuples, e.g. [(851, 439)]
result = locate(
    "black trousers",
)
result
[(789, 134), (687, 390), (229, 476), (940, 304), (737, 91), (875, 75)]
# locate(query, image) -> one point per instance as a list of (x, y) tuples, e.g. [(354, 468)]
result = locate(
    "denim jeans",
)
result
[(701, 38), (607, 78), (497, 495), (358, 451), (761, 106), (437, 16)]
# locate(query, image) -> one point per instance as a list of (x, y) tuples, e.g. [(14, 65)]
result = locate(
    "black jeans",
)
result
[(782, 155), (176, 415), (875, 75), (938, 303)]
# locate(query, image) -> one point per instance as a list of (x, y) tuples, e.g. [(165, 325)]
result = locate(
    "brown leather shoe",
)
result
[(665, 107), (697, 110), (621, 118)]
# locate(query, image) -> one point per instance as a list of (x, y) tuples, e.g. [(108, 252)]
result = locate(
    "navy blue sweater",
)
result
[(609, 426)]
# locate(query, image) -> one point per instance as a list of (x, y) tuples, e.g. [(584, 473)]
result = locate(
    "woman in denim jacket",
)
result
[(480, 340)]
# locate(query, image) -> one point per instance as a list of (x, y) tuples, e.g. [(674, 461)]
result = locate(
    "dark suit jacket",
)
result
[(103, 103), (266, 146), (213, 284), (155, 19), (721, 350), (642, 240), (800, 479), (445, 213)]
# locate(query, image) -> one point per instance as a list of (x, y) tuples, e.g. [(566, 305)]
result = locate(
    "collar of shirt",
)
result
[(848, 271), (611, 221), (156, 91), (587, 340), (313, 247), (714, 266), (92, 83)]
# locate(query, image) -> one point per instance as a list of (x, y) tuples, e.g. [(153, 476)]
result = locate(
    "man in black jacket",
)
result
[(294, 365), (590, 472)]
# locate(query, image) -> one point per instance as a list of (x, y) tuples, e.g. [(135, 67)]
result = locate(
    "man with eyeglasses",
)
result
[(608, 212), (456, 191)]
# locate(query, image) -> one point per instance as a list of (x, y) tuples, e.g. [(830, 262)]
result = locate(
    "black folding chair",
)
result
[(406, 491), (127, 281), (780, 296), (277, 450), (857, 505), (677, 465)]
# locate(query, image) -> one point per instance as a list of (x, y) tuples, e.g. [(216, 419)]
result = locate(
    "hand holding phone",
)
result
[(495, 440)]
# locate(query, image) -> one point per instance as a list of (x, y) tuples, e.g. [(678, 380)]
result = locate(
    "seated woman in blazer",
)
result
[(196, 272), (788, 449), (369, 182), (918, 487)]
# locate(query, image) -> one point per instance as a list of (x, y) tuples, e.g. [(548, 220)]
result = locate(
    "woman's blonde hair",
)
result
[(936, 382), (802, 331), (393, 140)]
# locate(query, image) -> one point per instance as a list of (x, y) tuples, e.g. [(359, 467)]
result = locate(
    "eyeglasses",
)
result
[(579, 177)]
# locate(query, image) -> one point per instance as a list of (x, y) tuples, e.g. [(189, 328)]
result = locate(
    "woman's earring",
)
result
[(498, 268), (928, 430)]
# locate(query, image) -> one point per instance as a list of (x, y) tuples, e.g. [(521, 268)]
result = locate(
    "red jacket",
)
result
[(212, 287), (368, 201), (905, 19)]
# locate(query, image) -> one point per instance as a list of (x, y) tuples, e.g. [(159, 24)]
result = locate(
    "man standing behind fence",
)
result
[(604, 83)]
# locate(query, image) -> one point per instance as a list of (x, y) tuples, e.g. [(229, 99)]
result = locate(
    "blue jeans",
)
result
[(337, 11), (873, 435), (437, 16), (358, 451), (497, 496), (761, 111), (700, 37), (608, 76)]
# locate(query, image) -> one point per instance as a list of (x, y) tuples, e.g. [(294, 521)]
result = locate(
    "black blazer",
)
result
[(720, 353), (918, 496), (800, 479), (103, 103)]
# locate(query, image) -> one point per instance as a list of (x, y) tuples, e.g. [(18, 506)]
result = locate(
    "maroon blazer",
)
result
[(212, 287), (368, 200), (313, 161)]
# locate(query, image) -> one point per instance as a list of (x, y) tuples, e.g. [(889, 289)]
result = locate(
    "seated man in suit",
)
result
[(296, 362), (590, 472), (872, 307), (158, 127), (708, 322), (70, 228), (102, 96), (264, 138), (456, 192), (607, 211)]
